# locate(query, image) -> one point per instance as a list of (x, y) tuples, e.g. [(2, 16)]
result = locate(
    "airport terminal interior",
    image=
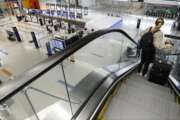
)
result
[(79, 60)]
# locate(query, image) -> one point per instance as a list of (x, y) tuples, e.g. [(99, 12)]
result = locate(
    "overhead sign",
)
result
[(162, 2), (31, 4)]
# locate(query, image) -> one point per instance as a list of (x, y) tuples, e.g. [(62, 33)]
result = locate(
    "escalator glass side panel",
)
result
[(174, 60), (91, 110), (67, 81), (96, 62), (175, 75)]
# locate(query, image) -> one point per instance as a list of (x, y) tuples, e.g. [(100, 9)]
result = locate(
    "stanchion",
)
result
[(138, 23), (48, 47), (17, 34), (34, 40)]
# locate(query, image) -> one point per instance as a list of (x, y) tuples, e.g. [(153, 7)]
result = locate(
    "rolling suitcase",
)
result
[(159, 72), (178, 26)]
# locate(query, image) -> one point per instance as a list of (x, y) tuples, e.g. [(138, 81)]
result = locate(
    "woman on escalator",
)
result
[(151, 39)]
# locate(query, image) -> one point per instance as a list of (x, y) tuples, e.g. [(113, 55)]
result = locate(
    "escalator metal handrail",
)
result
[(90, 110), (173, 78), (173, 54), (11, 88), (87, 112), (172, 36)]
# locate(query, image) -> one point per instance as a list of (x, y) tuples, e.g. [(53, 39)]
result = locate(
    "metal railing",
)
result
[(22, 82)]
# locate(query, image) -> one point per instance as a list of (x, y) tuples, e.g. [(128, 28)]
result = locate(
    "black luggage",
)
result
[(55, 28), (11, 36), (178, 26), (41, 22), (160, 72), (138, 23)]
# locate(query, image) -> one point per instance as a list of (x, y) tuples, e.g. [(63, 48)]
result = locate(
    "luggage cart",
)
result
[(72, 12), (79, 11), (59, 10), (86, 11)]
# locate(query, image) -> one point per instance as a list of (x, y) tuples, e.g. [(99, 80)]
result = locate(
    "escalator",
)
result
[(57, 89), (139, 99)]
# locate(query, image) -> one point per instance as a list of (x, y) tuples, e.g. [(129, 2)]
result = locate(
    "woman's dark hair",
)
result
[(157, 21)]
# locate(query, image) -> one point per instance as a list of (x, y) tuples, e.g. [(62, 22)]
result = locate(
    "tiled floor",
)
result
[(23, 55)]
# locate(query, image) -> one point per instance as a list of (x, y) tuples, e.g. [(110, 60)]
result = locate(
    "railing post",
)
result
[(30, 103), (64, 76), (5, 112)]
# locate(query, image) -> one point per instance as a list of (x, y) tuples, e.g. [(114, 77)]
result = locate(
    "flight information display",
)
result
[(57, 44)]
